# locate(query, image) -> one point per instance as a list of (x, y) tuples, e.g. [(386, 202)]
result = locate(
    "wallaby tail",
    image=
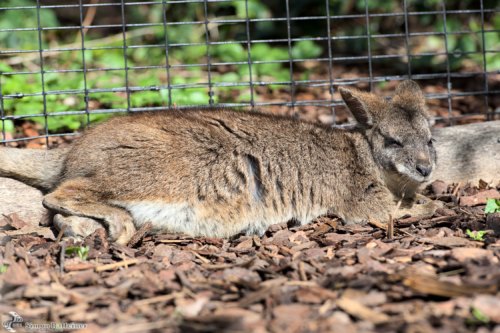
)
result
[(38, 168)]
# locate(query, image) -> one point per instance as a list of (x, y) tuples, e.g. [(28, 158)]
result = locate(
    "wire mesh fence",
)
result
[(66, 64)]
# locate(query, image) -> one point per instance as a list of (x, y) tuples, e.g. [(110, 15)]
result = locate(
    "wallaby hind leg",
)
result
[(76, 226), (77, 197)]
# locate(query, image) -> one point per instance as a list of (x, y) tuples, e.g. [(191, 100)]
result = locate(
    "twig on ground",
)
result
[(184, 280), (224, 266), (174, 241), (377, 224), (202, 258), (157, 299), (390, 225), (62, 255), (390, 228), (455, 190), (61, 233), (89, 18), (108, 267)]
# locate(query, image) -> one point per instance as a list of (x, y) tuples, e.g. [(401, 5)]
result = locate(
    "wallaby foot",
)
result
[(77, 198), (422, 207), (76, 226), (381, 206)]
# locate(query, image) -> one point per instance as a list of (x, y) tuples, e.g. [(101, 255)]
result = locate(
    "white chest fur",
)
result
[(174, 217), (179, 218), (184, 218)]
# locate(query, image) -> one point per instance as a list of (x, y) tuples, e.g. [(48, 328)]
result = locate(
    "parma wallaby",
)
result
[(220, 172)]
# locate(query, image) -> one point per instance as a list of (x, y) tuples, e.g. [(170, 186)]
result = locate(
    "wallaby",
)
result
[(219, 172)]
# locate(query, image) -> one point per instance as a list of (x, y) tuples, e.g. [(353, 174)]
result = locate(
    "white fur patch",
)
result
[(173, 217), (178, 218), (405, 171), (184, 218)]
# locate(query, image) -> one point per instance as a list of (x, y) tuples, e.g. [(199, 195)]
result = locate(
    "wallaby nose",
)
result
[(424, 170)]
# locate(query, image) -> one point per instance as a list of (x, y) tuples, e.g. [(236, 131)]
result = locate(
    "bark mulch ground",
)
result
[(423, 276)]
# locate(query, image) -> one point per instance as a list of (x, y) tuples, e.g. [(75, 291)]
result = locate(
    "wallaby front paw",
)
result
[(422, 210), (76, 226), (80, 227), (125, 235), (420, 199), (120, 231)]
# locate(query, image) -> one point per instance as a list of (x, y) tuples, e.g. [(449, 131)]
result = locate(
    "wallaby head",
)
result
[(399, 135)]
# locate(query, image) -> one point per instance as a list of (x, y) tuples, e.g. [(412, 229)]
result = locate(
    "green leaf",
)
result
[(263, 52), (26, 18), (5, 68), (7, 126), (112, 60), (227, 77), (230, 52), (146, 98), (306, 49), (198, 97), (492, 206), (189, 54), (476, 235), (3, 268), (255, 9), (81, 251), (480, 316), (29, 107)]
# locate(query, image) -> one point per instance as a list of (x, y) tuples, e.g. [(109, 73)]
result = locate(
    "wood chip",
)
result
[(139, 234), (288, 280), (358, 310), (450, 241), (480, 198), (430, 285)]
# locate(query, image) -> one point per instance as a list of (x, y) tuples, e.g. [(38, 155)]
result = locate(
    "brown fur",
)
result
[(221, 172)]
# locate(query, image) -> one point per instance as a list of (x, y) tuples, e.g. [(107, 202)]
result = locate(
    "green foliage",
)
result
[(3, 268), (256, 9), (6, 126), (461, 44), (270, 61), (81, 251), (268, 71), (306, 49), (476, 235), (478, 317), (230, 52), (492, 206), (23, 19)]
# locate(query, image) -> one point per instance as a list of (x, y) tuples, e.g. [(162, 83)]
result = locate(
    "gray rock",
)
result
[(24, 200)]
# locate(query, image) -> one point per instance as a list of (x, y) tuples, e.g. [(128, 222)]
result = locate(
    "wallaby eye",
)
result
[(390, 142), (431, 142)]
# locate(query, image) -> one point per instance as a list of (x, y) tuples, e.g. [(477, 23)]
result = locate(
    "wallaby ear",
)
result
[(409, 87), (355, 101), (409, 96)]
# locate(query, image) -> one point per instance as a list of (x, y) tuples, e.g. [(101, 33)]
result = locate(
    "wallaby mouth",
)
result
[(403, 182), (418, 175)]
